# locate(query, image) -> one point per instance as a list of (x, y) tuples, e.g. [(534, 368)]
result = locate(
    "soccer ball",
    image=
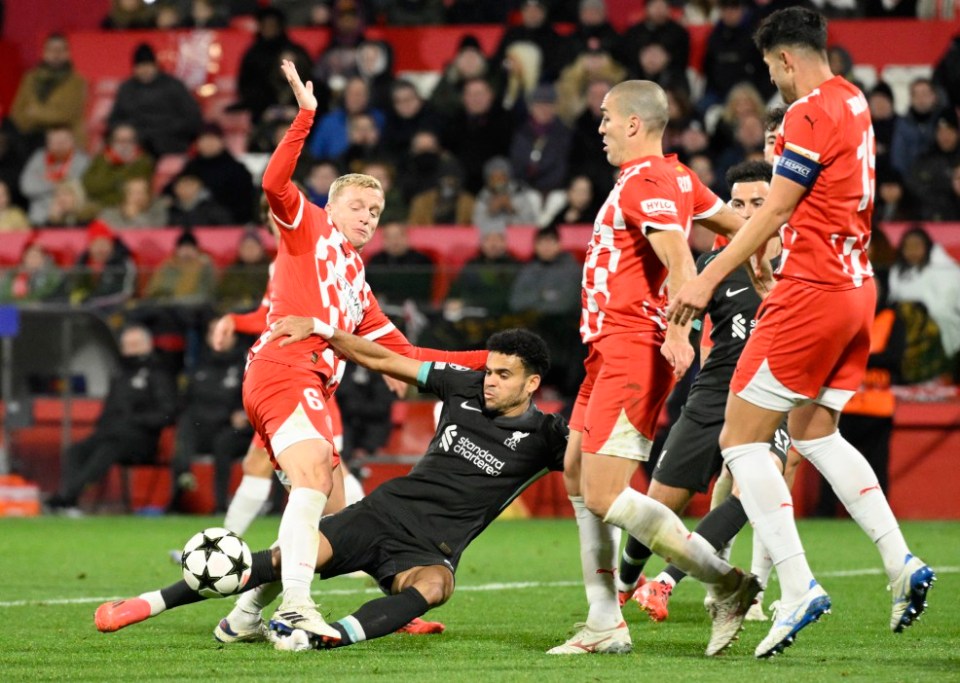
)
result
[(216, 563)]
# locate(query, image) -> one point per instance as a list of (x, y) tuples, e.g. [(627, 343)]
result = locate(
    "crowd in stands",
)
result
[(504, 138)]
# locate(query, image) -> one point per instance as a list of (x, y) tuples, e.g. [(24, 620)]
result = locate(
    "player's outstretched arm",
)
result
[(362, 351), (724, 222), (694, 295)]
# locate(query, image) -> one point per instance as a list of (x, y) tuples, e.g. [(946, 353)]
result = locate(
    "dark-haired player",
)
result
[(808, 354), (691, 454), (491, 443)]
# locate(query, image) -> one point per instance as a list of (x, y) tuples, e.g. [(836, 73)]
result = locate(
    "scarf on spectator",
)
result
[(116, 160), (50, 78), (56, 169)]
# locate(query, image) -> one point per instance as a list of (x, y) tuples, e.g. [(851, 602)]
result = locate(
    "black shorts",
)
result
[(364, 538), (691, 457)]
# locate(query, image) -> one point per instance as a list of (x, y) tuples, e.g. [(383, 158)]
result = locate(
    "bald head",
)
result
[(644, 99), (634, 117)]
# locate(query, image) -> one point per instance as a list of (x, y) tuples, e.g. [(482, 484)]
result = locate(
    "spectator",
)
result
[(193, 205), (593, 33), (575, 81), (914, 132), (206, 14), (138, 208), (586, 153), (952, 210), (69, 207), (104, 274), (924, 273), (338, 62), (398, 272), (503, 201), (522, 65), (476, 11), (51, 95), (36, 277), (259, 81), (363, 143), (319, 179), (885, 119), (481, 131), (422, 165), (12, 161), (890, 8), (656, 27), (540, 148), (245, 279), (414, 12), (947, 72), (212, 420), (159, 106), (229, 182), (653, 64), (535, 28), (186, 277), (575, 206), (743, 100), (128, 15), (375, 67), (395, 205), (892, 202), (447, 203), (747, 139), (330, 136), (141, 401), (408, 114), (931, 175), (682, 116), (841, 64), (702, 165), (305, 12), (169, 18), (365, 403), (119, 161), (486, 280), (731, 56), (12, 217), (59, 160), (550, 283), (468, 63)]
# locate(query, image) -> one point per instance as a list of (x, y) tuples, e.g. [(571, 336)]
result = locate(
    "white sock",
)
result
[(856, 486), (247, 503), (250, 605), (663, 577), (721, 491), (769, 506), (352, 488), (299, 542), (657, 527), (761, 564), (599, 544), (156, 602)]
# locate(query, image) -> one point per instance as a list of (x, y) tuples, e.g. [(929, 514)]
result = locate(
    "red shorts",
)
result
[(286, 405), (809, 345), (627, 383)]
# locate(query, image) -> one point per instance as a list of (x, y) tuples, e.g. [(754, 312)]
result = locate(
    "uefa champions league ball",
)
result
[(216, 563)]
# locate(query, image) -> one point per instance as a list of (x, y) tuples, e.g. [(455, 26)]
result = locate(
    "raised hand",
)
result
[(304, 93)]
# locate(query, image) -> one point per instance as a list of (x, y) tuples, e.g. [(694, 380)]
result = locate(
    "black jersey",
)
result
[(733, 313), (476, 464)]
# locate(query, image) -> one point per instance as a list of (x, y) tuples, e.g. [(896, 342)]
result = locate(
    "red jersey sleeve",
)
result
[(806, 144), (651, 203), (253, 322), (705, 202), (376, 326), (287, 203)]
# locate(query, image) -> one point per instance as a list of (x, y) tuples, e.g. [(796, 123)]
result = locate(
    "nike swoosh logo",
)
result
[(465, 406), (734, 292)]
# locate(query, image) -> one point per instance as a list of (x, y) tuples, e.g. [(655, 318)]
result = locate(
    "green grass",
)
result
[(494, 633)]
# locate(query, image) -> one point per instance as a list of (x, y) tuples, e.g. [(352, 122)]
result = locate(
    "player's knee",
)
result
[(436, 587), (598, 501)]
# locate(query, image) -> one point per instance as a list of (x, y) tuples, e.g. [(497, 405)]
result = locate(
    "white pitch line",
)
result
[(519, 585)]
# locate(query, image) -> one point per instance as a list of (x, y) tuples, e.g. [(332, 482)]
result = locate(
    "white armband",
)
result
[(322, 329)]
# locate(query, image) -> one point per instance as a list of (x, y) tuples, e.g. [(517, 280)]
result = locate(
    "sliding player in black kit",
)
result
[(691, 457), (492, 442)]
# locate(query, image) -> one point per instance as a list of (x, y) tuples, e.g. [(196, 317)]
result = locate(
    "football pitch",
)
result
[(518, 594)]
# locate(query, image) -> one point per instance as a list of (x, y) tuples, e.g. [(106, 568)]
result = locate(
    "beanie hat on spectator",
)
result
[(882, 88), (544, 93), (187, 237), (948, 117), (97, 229), (497, 164), (469, 41), (549, 231), (144, 54)]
